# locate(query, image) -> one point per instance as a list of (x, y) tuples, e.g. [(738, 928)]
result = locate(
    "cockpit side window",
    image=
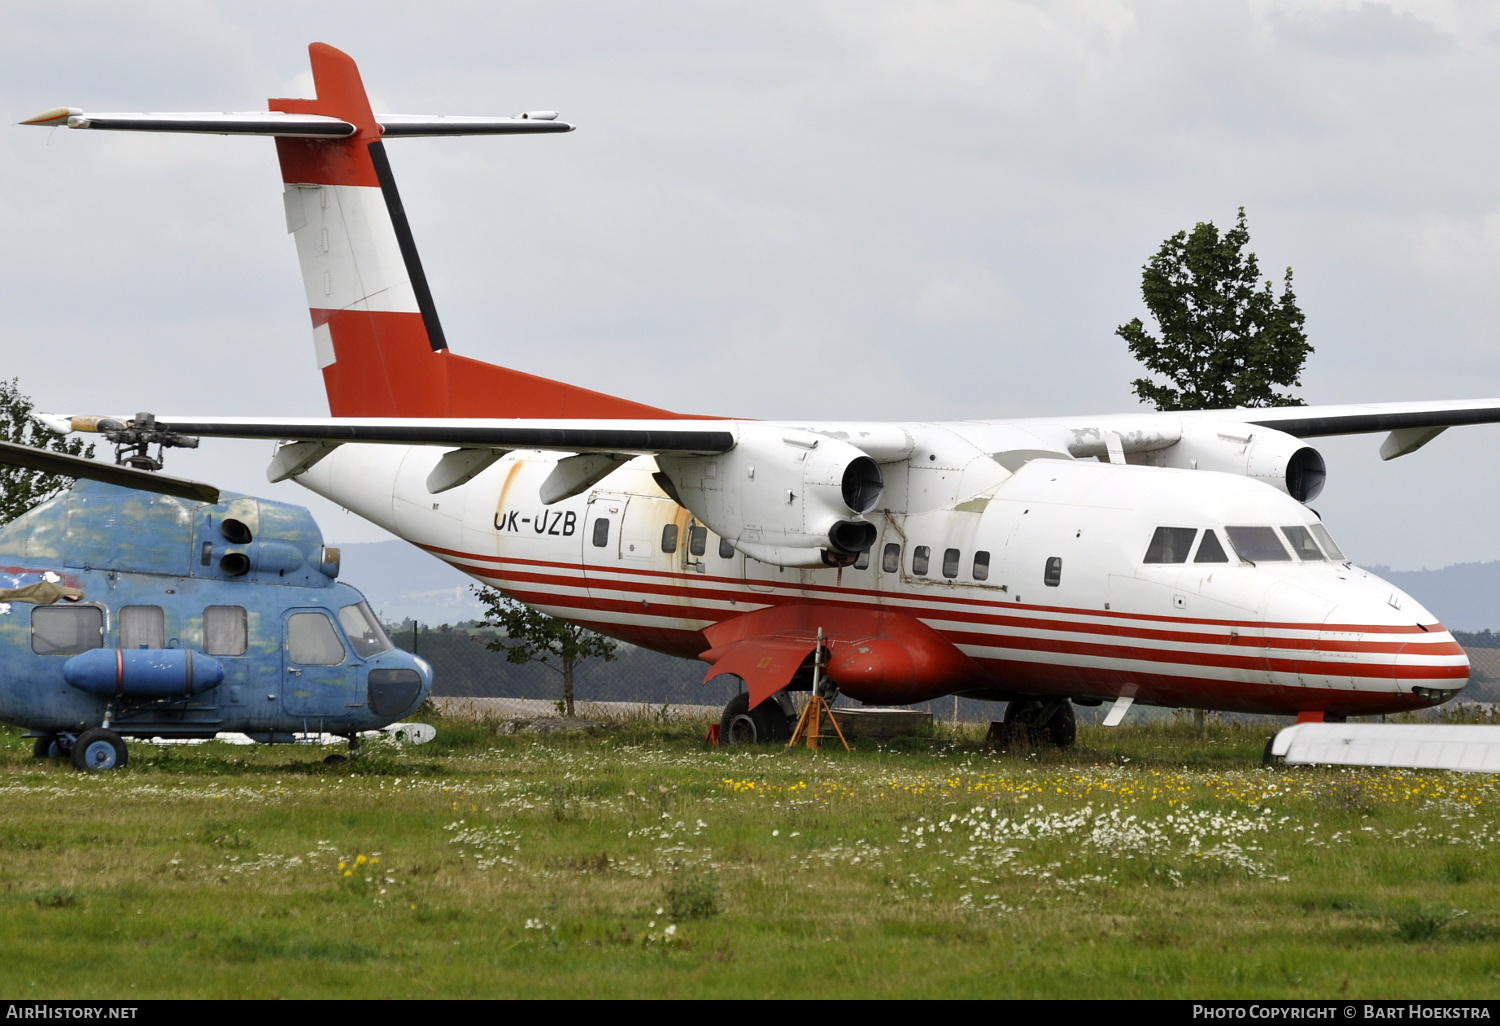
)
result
[(1326, 540), (1258, 544), (1210, 551), (312, 641), (1171, 545), (1303, 544), (365, 632)]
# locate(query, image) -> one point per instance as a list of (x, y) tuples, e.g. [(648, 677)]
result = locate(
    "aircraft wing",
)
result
[(1363, 418), (632, 437)]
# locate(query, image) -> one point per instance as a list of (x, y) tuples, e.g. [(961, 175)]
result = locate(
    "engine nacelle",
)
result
[(1249, 450), (782, 496)]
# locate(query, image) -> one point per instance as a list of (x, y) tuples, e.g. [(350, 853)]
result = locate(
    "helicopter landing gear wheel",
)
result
[(742, 725), (99, 749), (49, 746), (1031, 723)]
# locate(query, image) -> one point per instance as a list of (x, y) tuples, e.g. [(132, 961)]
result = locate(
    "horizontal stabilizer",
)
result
[(298, 126)]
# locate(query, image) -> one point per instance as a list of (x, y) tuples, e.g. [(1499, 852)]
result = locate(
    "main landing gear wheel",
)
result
[(48, 747), (1041, 724), (742, 725), (99, 749)]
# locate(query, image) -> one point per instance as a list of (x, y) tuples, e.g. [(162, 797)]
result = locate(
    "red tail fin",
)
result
[(375, 329)]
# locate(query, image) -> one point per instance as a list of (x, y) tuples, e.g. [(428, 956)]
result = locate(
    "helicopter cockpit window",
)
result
[(142, 627), (1303, 544), (1258, 544), (312, 641), (365, 632), (1170, 545), (66, 630), (1326, 540), (225, 631)]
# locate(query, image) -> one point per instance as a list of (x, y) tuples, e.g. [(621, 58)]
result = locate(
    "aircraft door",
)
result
[(618, 543), (320, 681)]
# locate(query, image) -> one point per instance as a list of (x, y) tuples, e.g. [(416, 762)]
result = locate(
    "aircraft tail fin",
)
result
[(376, 333)]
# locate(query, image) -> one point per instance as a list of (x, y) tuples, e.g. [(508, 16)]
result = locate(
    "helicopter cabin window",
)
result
[(1258, 544), (1052, 574), (890, 559), (225, 630), (312, 641), (697, 540), (1210, 551), (142, 627), (1170, 545), (863, 562), (950, 563), (1303, 544), (726, 550), (1326, 540), (601, 532), (669, 538), (920, 557), (981, 565), (66, 630), (364, 630)]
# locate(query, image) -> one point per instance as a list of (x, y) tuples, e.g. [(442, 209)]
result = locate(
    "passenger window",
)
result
[(66, 630), (1303, 544), (863, 562), (601, 532), (142, 627), (950, 563), (669, 538), (890, 559), (364, 631), (224, 630), (1326, 540), (1170, 545), (981, 565), (1210, 551), (920, 557), (697, 539), (1258, 544), (312, 641), (1052, 575), (726, 550)]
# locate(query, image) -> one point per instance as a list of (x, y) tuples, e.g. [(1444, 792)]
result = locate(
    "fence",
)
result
[(473, 680)]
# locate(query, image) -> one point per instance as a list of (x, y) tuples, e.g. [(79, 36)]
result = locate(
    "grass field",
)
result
[(1148, 862)]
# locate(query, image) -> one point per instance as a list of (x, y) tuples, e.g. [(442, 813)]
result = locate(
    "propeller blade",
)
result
[(127, 477)]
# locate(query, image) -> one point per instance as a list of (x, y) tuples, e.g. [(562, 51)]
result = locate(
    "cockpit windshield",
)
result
[(1302, 543), (1326, 540), (365, 632), (1258, 544)]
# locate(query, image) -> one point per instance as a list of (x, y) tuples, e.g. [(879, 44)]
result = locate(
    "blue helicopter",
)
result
[(137, 605)]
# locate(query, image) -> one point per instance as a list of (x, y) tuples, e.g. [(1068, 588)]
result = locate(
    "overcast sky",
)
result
[(875, 210)]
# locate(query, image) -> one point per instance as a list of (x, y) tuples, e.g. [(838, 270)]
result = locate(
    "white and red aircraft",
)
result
[(1161, 558)]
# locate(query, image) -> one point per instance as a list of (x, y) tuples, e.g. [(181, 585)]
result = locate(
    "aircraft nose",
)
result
[(1432, 666)]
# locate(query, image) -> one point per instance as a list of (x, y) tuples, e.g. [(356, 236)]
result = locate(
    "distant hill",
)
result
[(404, 583), (1465, 596)]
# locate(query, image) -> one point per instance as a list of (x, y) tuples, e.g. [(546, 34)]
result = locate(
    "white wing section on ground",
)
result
[(1473, 749)]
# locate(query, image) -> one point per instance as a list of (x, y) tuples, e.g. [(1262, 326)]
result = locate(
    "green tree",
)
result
[(20, 489), (1226, 339), (530, 636)]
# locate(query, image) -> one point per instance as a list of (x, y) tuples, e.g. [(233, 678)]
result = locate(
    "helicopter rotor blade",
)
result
[(74, 466)]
